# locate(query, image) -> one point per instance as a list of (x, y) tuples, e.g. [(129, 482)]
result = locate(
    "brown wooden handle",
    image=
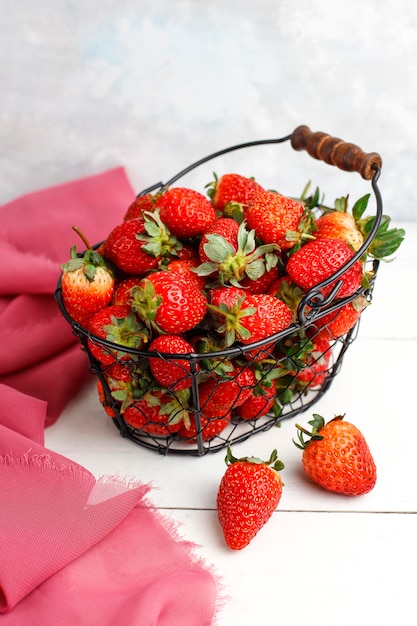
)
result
[(334, 151)]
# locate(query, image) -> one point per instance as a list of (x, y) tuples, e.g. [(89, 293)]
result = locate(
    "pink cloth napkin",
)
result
[(75, 550)]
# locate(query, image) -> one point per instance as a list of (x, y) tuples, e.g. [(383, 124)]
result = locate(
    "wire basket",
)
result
[(287, 381)]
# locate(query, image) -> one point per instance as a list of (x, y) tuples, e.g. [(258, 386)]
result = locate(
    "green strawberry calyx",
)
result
[(230, 265), (317, 423), (88, 262), (145, 303), (231, 325), (158, 240), (126, 332), (273, 461)]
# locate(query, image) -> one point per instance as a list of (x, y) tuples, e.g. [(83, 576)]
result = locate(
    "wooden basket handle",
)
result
[(334, 151)]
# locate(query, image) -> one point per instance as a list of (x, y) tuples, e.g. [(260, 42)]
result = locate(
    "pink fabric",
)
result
[(75, 550), (38, 352)]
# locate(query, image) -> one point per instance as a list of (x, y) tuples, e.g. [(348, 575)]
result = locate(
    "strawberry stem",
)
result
[(83, 237)]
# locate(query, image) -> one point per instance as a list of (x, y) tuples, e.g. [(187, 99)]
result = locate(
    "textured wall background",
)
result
[(156, 84)]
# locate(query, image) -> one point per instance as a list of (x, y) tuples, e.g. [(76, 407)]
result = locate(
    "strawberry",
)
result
[(276, 219), (224, 227), (229, 253), (186, 268), (341, 321), (127, 383), (103, 399), (318, 260), (123, 248), (306, 359), (158, 413), (231, 189), (171, 373), (140, 245), (185, 212), (220, 394), (249, 492), (248, 318), (337, 456), (271, 316), (354, 228), (119, 325), (139, 205), (87, 283), (169, 303), (123, 290), (339, 225), (259, 403), (208, 428)]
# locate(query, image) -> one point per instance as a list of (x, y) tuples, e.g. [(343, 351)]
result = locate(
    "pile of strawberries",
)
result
[(190, 309)]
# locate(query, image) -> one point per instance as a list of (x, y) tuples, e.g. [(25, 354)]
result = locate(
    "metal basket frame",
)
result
[(312, 307)]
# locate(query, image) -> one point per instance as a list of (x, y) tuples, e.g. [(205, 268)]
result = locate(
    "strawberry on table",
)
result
[(87, 283), (185, 212), (249, 492), (337, 456)]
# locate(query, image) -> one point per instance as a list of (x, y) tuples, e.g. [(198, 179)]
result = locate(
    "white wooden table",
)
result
[(322, 559)]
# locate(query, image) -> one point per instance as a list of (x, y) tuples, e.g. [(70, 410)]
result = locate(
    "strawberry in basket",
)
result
[(87, 283)]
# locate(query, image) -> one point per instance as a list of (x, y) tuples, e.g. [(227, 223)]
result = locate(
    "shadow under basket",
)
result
[(297, 383)]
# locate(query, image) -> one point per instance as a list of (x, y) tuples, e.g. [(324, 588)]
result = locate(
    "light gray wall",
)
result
[(156, 84)]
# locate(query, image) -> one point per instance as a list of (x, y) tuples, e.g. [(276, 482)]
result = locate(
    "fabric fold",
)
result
[(76, 550)]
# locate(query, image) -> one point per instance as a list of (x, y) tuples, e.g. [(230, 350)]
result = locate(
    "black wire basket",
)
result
[(299, 384)]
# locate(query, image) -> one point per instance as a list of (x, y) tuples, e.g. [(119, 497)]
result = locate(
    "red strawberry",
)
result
[(171, 373), (249, 493), (87, 284), (186, 268), (224, 227), (158, 413), (261, 284), (248, 318), (185, 212), (169, 303), (337, 456), (209, 427), (103, 399), (123, 290), (229, 253), (220, 394), (259, 403), (140, 245), (118, 325), (271, 316), (318, 260), (275, 218), (306, 359), (231, 189), (341, 321), (139, 205), (126, 251)]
